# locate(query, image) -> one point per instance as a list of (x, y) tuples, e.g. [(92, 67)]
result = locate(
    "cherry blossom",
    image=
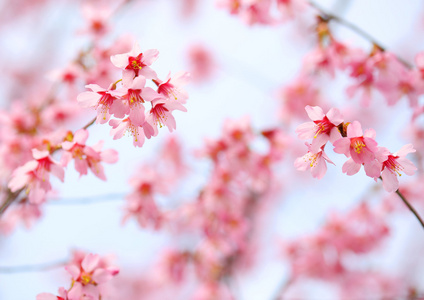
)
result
[(322, 129), (34, 176), (393, 164), (135, 63), (316, 162), (85, 156), (101, 99), (361, 147)]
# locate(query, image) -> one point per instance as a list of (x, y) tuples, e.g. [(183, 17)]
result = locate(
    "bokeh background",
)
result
[(252, 64)]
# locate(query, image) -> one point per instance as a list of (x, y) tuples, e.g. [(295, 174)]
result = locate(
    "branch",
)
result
[(411, 208), (11, 197), (282, 289), (87, 200), (34, 268), (329, 16), (90, 123)]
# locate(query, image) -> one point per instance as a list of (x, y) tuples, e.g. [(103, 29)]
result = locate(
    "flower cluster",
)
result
[(89, 273), (349, 139), (324, 254), (265, 12), (127, 103), (31, 181)]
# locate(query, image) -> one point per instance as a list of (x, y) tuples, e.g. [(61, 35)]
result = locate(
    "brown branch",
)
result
[(282, 289), (11, 197), (411, 208), (34, 268), (331, 17)]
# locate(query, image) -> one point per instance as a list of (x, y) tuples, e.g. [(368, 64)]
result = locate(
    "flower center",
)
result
[(393, 165), (357, 145), (323, 126)]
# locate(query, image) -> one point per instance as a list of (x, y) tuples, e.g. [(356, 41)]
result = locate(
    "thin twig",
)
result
[(282, 289), (329, 16), (34, 268), (411, 208), (86, 200), (11, 197), (90, 123)]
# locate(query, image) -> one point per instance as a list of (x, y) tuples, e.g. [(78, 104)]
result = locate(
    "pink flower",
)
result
[(171, 87), (314, 161), (291, 8), (88, 275), (101, 99), (141, 202), (296, 95), (202, 63), (87, 157), (135, 94), (361, 147), (34, 176), (120, 127), (393, 164), (322, 129), (63, 295), (161, 114), (135, 63), (97, 18)]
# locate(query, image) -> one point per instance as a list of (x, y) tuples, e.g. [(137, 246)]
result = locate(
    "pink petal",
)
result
[(109, 156), (81, 166), (120, 60), (373, 169), (342, 146), (81, 136), (315, 112), (90, 262), (88, 99), (95, 88), (66, 158), (74, 271), (354, 129), (408, 167), (306, 130), (37, 154), (409, 148), (335, 135), (98, 171), (46, 296), (390, 181), (319, 170), (118, 129), (119, 109), (335, 116), (102, 276), (148, 73), (37, 195), (75, 292), (318, 142), (57, 171), (137, 116), (149, 94), (350, 167), (66, 145), (149, 56)]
